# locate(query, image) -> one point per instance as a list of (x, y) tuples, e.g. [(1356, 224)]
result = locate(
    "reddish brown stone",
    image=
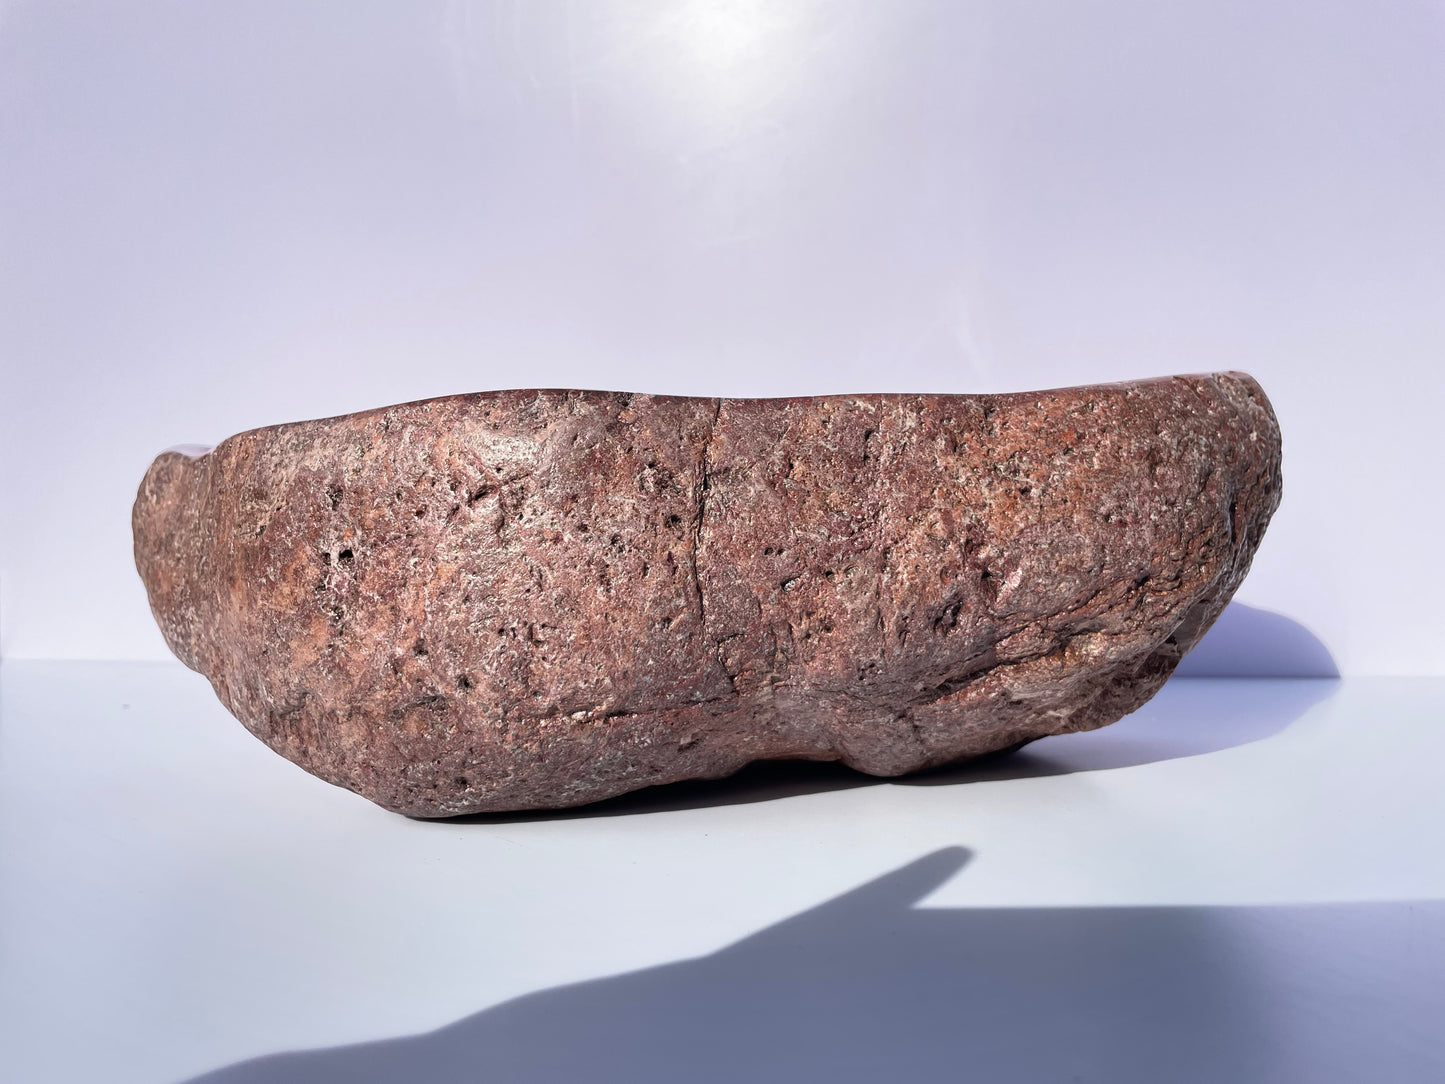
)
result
[(531, 599)]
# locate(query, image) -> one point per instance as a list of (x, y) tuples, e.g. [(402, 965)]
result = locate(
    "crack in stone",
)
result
[(704, 480), (915, 730)]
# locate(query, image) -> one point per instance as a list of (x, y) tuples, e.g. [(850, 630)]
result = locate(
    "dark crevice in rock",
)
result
[(704, 485)]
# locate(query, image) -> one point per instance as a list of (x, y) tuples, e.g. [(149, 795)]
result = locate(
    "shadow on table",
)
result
[(1250, 642), (1186, 718), (869, 987)]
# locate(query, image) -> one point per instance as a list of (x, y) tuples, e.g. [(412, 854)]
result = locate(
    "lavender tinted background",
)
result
[(223, 216)]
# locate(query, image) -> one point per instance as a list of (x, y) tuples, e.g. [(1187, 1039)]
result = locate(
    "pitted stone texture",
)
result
[(532, 599)]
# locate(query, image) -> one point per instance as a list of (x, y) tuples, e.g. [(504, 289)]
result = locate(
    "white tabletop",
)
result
[(1241, 882)]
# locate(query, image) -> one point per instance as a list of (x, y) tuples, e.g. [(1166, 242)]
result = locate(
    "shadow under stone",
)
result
[(1250, 642), (1186, 718)]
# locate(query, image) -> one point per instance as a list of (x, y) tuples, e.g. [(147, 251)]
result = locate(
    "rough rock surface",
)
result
[(530, 599)]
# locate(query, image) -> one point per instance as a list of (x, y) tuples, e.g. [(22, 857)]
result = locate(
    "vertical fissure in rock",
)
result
[(704, 481)]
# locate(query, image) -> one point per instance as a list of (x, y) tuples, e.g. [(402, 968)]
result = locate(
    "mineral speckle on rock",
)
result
[(531, 599)]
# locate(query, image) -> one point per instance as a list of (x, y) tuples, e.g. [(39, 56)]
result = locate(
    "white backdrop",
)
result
[(226, 215)]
